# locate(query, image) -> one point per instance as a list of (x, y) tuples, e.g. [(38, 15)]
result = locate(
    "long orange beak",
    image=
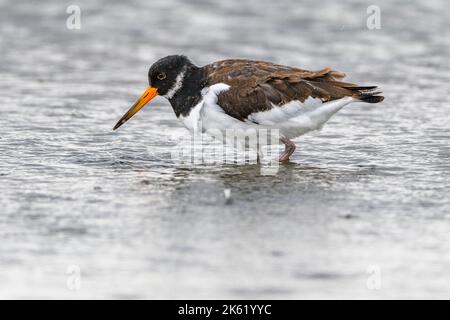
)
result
[(148, 95)]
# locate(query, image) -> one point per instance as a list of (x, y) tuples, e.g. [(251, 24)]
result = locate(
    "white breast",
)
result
[(192, 121), (208, 115)]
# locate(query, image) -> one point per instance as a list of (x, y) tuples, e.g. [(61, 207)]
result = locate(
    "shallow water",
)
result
[(361, 211)]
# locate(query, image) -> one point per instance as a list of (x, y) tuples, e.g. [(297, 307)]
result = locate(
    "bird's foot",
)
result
[(288, 150)]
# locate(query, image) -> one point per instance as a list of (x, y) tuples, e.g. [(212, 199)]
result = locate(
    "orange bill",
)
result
[(148, 95)]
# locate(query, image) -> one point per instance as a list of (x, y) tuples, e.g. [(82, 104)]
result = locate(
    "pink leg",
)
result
[(288, 150)]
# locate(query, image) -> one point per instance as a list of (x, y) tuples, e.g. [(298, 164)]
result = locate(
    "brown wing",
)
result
[(257, 85)]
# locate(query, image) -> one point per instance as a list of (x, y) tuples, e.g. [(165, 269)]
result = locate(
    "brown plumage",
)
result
[(258, 85)]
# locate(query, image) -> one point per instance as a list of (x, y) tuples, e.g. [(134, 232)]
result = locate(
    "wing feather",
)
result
[(259, 86)]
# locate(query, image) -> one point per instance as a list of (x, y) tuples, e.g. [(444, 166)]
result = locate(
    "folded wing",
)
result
[(257, 87)]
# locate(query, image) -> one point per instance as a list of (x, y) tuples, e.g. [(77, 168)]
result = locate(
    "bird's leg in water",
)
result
[(288, 150), (259, 153)]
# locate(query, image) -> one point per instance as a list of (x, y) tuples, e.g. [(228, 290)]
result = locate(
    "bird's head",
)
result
[(165, 78)]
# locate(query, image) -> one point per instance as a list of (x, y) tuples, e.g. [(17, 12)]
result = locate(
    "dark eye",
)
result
[(161, 76)]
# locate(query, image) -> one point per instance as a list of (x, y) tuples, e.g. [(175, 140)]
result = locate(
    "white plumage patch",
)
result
[(292, 119), (279, 114), (310, 117), (207, 114), (177, 85), (192, 121)]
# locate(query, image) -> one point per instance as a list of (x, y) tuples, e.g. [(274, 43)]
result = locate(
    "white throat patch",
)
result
[(176, 86)]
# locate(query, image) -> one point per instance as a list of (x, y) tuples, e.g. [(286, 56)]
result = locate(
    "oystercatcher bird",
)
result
[(239, 94)]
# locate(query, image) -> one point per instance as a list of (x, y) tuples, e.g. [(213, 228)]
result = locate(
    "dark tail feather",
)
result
[(327, 85), (367, 94), (371, 99), (366, 88), (329, 81)]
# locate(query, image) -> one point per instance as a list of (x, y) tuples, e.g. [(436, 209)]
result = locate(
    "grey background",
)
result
[(368, 191)]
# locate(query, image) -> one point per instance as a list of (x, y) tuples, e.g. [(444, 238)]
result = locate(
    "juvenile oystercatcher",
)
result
[(239, 94)]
